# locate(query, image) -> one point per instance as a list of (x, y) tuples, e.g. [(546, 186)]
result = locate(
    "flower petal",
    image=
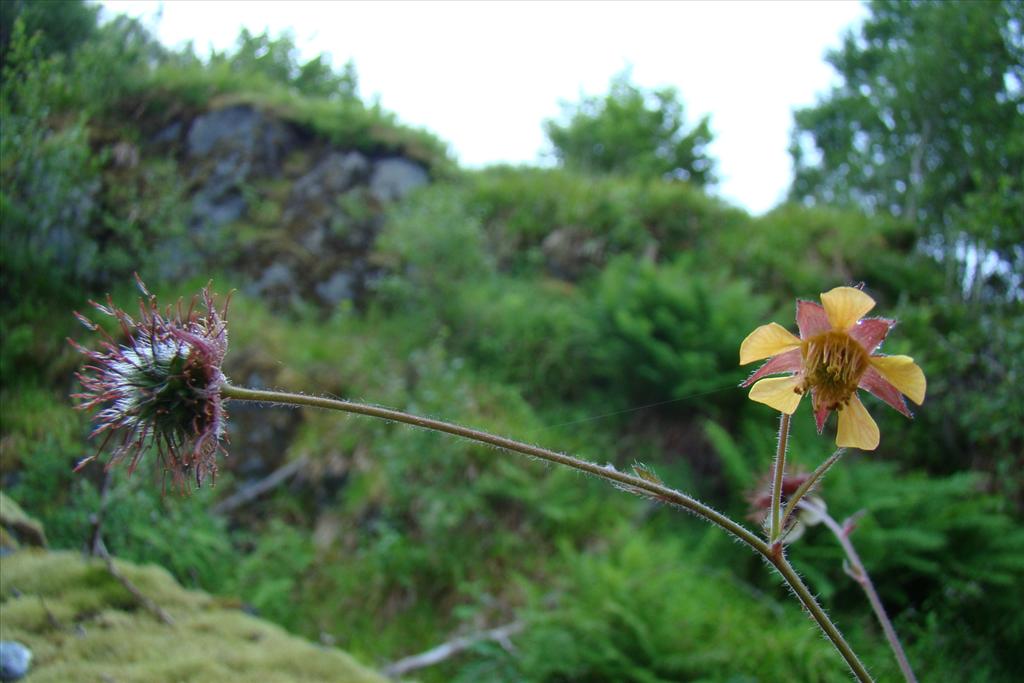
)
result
[(857, 429), (904, 374), (871, 333), (766, 341), (789, 361), (778, 392), (813, 514), (821, 411), (845, 306), (811, 319), (794, 532), (878, 385)]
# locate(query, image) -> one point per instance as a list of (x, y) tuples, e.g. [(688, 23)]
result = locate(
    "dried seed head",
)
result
[(159, 389)]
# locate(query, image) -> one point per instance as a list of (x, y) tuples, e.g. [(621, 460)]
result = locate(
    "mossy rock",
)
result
[(83, 625), (17, 528)]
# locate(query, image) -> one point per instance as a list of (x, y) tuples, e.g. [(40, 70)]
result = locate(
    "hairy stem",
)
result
[(859, 574), (810, 482), (658, 491), (780, 562), (779, 470), (630, 482)]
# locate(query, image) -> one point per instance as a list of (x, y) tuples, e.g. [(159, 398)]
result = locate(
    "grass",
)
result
[(347, 123)]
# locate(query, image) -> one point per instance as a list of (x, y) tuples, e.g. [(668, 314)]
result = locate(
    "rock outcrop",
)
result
[(295, 214)]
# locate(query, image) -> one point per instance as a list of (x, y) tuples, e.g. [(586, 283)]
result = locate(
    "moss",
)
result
[(82, 625), (16, 525), (296, 164)]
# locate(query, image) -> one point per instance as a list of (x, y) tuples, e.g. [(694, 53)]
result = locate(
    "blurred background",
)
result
[(550, 233)]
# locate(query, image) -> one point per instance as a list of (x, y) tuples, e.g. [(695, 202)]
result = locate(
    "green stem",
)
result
[(779, 470), (805, 487), (656, 490), (859, 574), (780, 562), (653, 489)]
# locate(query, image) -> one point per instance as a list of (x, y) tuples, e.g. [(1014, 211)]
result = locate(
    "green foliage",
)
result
[(913, 523), (269, 571), (95, 63), (974, 417), (927, 125), (587, 220), (106, 68), (277, 59), (797, 252), (540, 335), (143, 214), (623, 334), (539, 303), (669, 332), (144, 524), (932, 545), (42, 443), (345, 122), (632, 131), (139, 523), (640, 611), (738, 465), (434, 248), (67, 223), (391, 544), (60, 25), (50, 176), (520, 331)]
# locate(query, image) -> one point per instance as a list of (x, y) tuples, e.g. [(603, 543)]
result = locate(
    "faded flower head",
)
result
[(160, 388), (760, 500), (832, 358)]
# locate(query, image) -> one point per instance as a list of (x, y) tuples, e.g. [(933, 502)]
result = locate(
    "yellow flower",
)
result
[(832, 358)]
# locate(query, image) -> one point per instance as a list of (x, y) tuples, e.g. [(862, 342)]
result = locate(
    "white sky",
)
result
[(484, 75)]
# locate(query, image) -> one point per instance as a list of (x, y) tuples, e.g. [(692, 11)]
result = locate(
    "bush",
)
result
[(540, 335), (796, 251), (672, 332), (50, 180), (433, 249), (938, 549), (597, 217), (72, 219), (59, 26)]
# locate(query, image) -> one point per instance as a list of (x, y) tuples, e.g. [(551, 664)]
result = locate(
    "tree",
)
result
[(632, 131), (928, 125)]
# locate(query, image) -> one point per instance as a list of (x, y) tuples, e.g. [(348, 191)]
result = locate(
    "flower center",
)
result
[(833, 365)]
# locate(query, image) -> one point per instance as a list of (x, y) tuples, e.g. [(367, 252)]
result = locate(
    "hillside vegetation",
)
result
[(595, 307)]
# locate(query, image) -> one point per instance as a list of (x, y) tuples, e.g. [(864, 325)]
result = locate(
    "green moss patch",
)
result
[(16, 527), (82, 625)]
